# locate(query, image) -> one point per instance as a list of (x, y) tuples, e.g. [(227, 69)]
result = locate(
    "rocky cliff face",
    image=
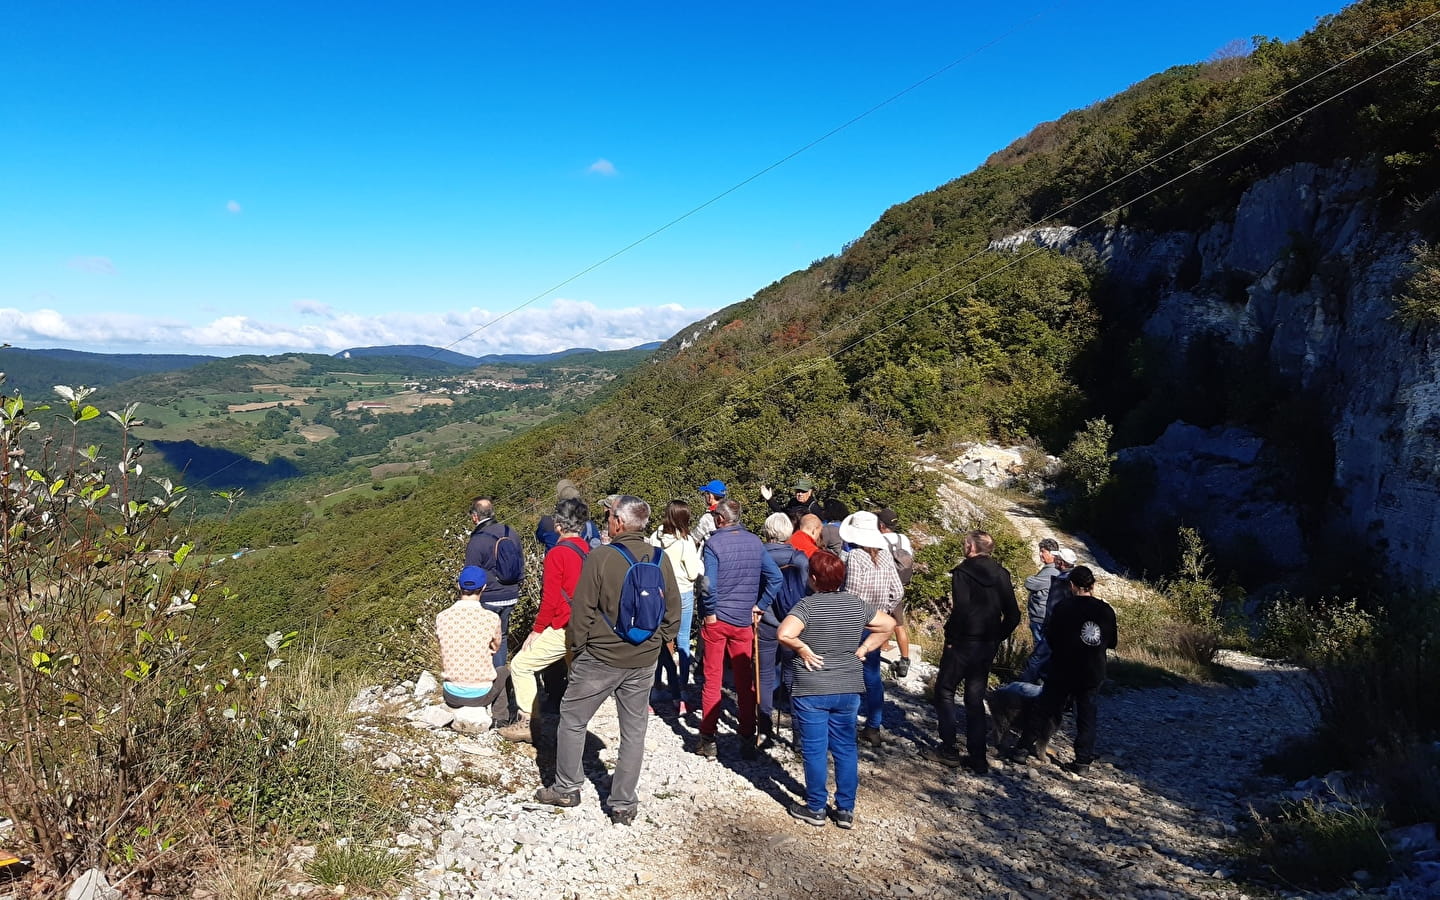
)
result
[(1303, 275)]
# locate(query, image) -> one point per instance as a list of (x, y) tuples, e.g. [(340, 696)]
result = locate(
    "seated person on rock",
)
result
[(469, 636)]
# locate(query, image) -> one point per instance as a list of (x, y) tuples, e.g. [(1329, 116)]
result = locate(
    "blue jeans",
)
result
[(667, 664), (504, 613), (874, 691), (826, 722)]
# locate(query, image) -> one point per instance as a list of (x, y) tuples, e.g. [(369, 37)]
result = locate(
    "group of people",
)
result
[(801, 613)]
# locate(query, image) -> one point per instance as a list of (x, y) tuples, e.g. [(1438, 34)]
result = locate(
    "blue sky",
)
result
[(269, 177)]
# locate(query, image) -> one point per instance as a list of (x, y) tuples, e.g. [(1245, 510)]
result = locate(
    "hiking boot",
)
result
[(871, 736), (1078, 768), (945, 756), (518, 731), (555, 798), (622, 817), (808, 816), (747, 748), (901, 667), (706, 747), (844, 818)]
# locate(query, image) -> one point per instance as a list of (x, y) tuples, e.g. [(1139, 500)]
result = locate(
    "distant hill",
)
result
[(410, 350), (36, 372), (489, 359)]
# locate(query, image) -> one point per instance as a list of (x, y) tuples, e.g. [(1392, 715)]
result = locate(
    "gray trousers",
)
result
[(591, 683)]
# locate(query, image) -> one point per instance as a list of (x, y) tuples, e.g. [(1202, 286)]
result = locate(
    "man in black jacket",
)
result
[(802, 503), (983, 614), (483, 550), (1080, 629)]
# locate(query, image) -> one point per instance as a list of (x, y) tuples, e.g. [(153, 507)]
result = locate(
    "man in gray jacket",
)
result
[(1053, 562), (605, 665)]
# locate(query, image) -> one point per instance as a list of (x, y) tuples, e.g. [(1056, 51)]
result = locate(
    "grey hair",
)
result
[(778, 528), (729, 510), (571, 515), (632, 512)]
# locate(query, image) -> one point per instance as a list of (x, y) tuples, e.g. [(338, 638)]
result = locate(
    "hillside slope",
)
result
[(921, 332)]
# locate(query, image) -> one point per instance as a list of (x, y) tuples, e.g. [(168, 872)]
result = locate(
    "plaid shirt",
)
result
[(875, 581)]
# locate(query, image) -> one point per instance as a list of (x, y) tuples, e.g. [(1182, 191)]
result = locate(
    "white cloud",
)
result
[(535, 329), (95, 265), (603, 167), (233, 208)]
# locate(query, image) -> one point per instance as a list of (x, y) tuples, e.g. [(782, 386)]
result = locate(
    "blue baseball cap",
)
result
[(472, 579), (714, 486)]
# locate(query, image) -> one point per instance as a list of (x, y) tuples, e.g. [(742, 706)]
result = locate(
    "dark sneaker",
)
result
[(901, 667), (975, 766), (945, 756), (747, 748), (706, 747), (808, 816), (844, 818), (622, 817), (871, 736), (1077, 768), (555, 798)]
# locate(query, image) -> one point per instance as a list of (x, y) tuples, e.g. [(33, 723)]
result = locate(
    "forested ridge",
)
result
[(915, 336)]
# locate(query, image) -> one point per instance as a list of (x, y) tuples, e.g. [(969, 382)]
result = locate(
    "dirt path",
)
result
[(1152, 820)]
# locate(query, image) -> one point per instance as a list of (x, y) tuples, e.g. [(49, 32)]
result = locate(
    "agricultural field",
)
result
[(331, 432)]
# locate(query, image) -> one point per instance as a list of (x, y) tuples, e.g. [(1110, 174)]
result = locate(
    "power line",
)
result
[(759, 174), (715, 392), (1021, 258)]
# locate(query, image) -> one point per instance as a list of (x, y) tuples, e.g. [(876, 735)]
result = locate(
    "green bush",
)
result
[(1311, 845), (125, 728), (1418, 300), (1301, 631), (357, 867), (1371, 693)]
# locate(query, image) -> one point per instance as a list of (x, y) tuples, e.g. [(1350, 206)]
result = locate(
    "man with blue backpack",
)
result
[(775, 674), (496, 549), (626, 607)]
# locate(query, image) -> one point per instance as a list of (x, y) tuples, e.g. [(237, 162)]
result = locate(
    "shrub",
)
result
[(118, 729), (1369, 678), (1312, 845), (1301, 631), (1418, 301), (1088, 460), (355, 865), (1407, 779)]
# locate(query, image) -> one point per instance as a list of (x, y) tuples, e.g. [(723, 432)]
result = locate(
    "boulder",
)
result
[(437, 716), (472, 720), (425, 685)]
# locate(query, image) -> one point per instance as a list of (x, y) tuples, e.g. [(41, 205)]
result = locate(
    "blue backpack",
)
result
[(508, 562), (642, 599)]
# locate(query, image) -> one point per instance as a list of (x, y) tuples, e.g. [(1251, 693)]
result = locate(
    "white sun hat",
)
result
[(863, 530)]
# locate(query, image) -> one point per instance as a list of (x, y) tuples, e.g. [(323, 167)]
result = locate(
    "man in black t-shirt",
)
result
[(1081, 628)]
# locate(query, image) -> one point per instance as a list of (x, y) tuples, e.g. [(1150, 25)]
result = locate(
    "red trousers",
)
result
[(737, 642)]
